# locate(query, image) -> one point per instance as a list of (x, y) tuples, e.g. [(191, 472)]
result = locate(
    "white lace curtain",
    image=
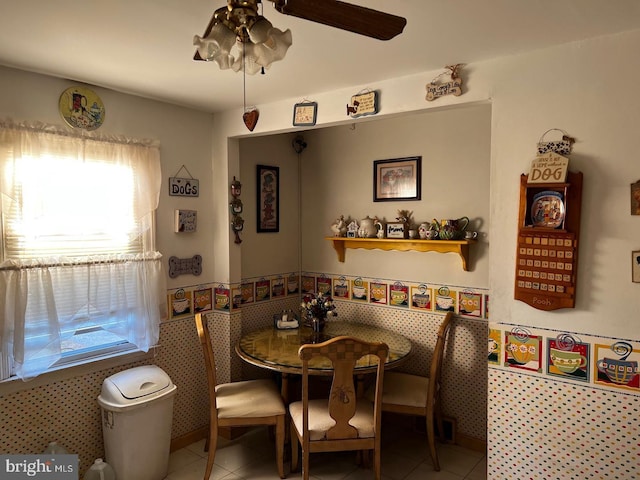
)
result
[(47, 294)]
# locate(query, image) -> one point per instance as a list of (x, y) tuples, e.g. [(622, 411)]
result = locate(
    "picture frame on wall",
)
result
[(268, 198), (635, 266), (397, 179), (635, 198), (305, 114)]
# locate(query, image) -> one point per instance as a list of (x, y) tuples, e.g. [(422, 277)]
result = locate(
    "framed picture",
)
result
[(635, 266), (268, 196), (304, 114), (397, 230), (397, 179), (635, 198), (186, 221)]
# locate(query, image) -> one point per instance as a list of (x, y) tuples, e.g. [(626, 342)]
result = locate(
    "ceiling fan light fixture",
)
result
[(238, 38), (217, 45), (260, 31)]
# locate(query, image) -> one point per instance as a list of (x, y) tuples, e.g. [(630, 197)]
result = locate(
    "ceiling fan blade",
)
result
[(346, 16)]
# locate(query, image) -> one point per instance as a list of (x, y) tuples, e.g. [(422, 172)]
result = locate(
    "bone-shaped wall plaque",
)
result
[(181, 266)]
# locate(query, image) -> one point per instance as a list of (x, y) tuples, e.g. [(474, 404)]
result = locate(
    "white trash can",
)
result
[(137, 411)]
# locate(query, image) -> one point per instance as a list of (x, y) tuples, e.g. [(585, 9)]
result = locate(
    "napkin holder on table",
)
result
[(285, 320)]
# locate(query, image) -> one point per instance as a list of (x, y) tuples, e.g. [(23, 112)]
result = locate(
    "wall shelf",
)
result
[(461, 247)]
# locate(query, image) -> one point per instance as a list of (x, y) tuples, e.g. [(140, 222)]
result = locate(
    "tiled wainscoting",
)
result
[(563, 405), (66, 410)]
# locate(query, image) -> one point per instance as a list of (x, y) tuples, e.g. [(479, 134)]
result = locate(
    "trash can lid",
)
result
[(135, 385)]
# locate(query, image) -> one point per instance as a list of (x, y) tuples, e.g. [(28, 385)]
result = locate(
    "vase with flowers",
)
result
[(315, 309)]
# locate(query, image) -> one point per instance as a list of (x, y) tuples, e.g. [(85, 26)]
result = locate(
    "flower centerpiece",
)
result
[(315, 308)]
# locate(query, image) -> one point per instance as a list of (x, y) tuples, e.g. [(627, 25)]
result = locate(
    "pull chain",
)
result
[(244, 79)]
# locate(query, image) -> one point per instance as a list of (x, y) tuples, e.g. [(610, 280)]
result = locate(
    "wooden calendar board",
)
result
[(547, 250)]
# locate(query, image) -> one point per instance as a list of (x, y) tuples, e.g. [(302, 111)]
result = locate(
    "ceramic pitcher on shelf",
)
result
[(453, 229)]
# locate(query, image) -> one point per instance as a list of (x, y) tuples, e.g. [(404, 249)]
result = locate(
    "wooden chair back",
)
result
[(209, 361), (343, 352), (435, 370), (239, 404)]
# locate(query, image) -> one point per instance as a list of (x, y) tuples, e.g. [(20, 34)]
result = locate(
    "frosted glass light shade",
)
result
[(255, 48), (217, 45)]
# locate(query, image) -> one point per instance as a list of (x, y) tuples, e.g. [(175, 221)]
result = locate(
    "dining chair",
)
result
[(417, 395), (239, 404), (341, 421)]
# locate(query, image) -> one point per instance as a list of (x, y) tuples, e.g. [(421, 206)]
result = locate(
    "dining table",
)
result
[(277, 349)]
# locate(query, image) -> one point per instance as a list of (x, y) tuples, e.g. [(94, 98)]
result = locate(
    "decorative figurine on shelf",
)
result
[(339, 227), (379, 226), (404, 216), (367, 228), (429, 231), (353, 229)]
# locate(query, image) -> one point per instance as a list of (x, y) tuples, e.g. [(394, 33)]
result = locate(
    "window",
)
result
[(79, 274)]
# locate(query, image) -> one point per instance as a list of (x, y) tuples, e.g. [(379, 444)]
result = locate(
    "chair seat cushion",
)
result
[(320, 421), (404, 389), (249, 399)]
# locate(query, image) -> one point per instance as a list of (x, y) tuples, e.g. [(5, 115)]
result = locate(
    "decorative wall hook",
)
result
[(235, 207)]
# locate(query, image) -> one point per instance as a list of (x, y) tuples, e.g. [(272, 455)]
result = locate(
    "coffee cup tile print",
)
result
[(379, 293), (494, 346), (522, 350), (421, 297), (568, 357), (221, 296), (359, 290), (470, 303), (180, 303), (445, 300), (617, 365), (399, 295)]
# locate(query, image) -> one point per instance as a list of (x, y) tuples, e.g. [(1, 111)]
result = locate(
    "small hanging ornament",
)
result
[(561, 147), (250, 118)]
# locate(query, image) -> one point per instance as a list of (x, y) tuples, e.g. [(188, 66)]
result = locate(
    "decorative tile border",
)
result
[(566, 356), (421, 297)]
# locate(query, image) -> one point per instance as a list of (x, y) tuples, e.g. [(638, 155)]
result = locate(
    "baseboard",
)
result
[(451, 434), (191, 437), (471, 443)]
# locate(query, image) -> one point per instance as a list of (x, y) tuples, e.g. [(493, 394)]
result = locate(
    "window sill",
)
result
[(70, 370)]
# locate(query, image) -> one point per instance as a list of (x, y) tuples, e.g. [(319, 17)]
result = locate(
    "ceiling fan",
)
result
[(345, 16), (240, 22)]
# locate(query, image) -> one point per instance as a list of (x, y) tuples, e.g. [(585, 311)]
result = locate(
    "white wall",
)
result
[(184, 136), (589, 90), (269, 253), (337, 176), (574, 87)]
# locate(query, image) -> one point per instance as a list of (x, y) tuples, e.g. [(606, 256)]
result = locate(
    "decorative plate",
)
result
[(81, 108), (547, 209)]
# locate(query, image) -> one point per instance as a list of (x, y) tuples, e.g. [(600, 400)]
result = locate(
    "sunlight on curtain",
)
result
[(78, 250)]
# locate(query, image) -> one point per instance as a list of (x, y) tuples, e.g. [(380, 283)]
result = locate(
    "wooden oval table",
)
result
[(277, 350)]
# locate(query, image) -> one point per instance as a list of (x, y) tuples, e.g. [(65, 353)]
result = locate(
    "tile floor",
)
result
[(404, 457)]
